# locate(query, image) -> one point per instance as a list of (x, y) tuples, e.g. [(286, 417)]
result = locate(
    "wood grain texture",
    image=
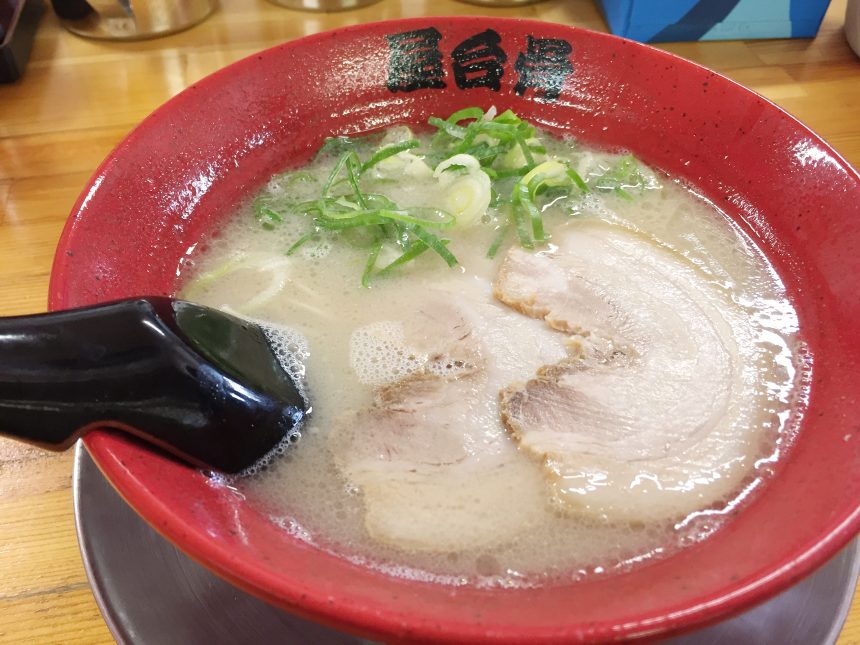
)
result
[(78, 98)]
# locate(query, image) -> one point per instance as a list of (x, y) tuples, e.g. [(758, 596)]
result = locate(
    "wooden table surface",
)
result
[(78, 98)]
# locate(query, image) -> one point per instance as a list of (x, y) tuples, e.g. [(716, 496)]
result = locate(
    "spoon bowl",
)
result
[(203, 385)]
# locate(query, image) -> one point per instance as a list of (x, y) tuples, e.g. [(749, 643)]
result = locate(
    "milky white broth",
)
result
[(352, 331)]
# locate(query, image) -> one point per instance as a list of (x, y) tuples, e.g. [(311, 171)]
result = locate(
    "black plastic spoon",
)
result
[(203, 385)]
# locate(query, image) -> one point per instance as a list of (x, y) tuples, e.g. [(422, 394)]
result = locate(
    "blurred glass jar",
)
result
[(130, 19)]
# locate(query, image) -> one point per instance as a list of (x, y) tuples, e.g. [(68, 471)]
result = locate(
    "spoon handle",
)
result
[(64, 373)]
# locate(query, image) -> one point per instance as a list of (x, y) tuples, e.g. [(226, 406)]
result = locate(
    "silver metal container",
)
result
[(130, 19), (323, 5)]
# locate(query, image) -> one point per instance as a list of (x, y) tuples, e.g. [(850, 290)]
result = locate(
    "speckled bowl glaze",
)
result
[(183, 169)]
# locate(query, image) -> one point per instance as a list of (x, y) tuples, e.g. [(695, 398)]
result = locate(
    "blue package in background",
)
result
[(668, 20)]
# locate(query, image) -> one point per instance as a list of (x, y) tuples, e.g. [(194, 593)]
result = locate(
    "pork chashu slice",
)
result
[(434, 469), (649, 417), (426, 485)]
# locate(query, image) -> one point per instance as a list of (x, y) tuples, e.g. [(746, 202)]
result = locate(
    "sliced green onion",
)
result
[(440, 218), (514, 172), (335, 171), (489, 147), (499, 130), (380, 201), (336, 145), (295, 246), (335, 220), (623, 175), (498, 241), (523, 197), (487, 153), (520, 223), (389, 151), (574, 176), (415, 249), (530, 160), (448, 128), (264, 214), (346, 204), (361, 237), (434, 243), (508, 116), (336, 223), (466, 113), (371, 262), (353, 172)]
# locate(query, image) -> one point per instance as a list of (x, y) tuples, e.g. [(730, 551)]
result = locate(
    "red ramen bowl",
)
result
[(178, 174)]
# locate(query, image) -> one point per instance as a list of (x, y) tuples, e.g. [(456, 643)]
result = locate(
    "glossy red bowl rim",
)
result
[(174, 527)]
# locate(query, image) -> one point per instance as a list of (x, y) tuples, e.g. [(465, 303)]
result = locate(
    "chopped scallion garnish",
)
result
[(301, 241), (371, 262), (498, 241), (472, 154), (369, 218), (413, 251), (623, 177), (389, 151)]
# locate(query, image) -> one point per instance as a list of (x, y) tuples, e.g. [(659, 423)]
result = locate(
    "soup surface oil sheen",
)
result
[(406, 465)]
